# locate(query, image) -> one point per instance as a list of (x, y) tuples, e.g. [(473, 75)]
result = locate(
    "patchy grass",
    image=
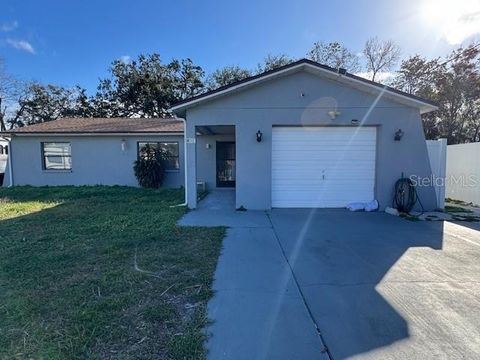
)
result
[(102, 273), (468, 218), (409, 217), (454, 201), (456, 209)]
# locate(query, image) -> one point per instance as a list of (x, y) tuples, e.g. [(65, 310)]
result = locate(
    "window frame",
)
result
[(44, 164), (158, 143)]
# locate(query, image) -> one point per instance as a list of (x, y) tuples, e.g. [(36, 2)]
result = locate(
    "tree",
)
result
[(334, 55), (272, 62), (455, 85), (188, 78), (11, 90), (417, 75), (146, 87), (459, 95), (380, 55), (226, 76), (40, 103)]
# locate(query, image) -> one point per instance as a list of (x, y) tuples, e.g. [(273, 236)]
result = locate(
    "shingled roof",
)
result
[(102, 126)]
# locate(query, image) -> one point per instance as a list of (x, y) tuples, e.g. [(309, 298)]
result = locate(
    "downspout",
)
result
[(9, 159), (184, 161)]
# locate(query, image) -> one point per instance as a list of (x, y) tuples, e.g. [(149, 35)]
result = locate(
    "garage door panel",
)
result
[(323, 166)]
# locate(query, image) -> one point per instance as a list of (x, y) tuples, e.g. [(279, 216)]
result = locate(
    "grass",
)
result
[(456, 209), (102, 273), (467, 218), (454, 201), (409, 217)]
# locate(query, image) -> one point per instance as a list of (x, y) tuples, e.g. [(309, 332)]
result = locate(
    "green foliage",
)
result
[(100, 273), (41, 103), (272, 62), (149, 169), (146, 87), (227, 76), (454, 84)]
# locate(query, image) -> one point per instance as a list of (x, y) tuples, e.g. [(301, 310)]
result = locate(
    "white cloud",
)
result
[(125, 59), (7, 27), (22, 45), (381, 77), (455, 21)]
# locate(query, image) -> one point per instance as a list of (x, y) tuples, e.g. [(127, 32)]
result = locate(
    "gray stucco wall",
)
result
[(206, 158), (279, 102), (96, 160)]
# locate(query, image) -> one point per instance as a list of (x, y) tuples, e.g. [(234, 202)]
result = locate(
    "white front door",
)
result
[(322, 167)]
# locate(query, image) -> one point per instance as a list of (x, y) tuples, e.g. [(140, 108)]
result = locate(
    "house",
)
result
[(91, 151), (303, 135)]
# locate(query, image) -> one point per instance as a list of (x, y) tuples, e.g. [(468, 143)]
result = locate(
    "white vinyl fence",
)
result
[(437, 152), (463, 172)]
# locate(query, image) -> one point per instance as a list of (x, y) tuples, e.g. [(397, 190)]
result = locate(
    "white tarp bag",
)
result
[(371, 206), (356, 206), (360, 206)]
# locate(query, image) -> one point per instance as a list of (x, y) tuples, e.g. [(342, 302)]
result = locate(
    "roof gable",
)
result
[(346, 79)]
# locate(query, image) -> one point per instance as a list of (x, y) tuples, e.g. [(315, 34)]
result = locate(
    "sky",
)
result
[(73, 42)]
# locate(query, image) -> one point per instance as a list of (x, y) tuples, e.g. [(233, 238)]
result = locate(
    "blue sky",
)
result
[(73, 42)]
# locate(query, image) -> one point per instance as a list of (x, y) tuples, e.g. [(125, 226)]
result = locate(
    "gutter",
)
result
[(185, 171)]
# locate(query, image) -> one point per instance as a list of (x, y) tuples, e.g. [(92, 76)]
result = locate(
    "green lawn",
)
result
[(102, 272)]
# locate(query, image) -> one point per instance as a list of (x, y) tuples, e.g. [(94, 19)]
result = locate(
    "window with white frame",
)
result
[(57, 156)]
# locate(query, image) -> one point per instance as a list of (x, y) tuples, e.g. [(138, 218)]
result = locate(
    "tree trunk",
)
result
[(2, 117)]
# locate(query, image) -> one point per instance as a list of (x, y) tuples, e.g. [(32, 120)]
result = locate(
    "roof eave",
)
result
[(423, 105), (97, 133), (428, 109)]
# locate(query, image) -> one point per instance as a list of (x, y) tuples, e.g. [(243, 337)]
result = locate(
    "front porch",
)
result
[(218, 199), (212, 166), (218, 209)]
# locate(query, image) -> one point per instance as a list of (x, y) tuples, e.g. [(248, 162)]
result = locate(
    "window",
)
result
[(57, 156), (1, 149), (169, 152)]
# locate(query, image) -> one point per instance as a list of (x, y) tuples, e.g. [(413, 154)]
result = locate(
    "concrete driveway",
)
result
[(302, 284)]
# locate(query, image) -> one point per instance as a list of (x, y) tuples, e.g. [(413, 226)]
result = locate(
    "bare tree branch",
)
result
[(334, 55), (380, 55)]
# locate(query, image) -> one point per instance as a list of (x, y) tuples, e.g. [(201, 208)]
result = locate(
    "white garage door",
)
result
[(322, 166)]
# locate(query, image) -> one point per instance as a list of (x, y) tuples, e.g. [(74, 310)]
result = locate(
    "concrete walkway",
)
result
[(218, 209), (257, 310), (376, 286)]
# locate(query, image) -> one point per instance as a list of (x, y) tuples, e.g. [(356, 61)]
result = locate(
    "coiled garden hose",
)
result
[(406, 196)]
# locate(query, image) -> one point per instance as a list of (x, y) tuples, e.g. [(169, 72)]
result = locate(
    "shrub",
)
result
[(149, 169)]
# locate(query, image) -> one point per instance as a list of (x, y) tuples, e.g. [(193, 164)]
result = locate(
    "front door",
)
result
[(225, 164)]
